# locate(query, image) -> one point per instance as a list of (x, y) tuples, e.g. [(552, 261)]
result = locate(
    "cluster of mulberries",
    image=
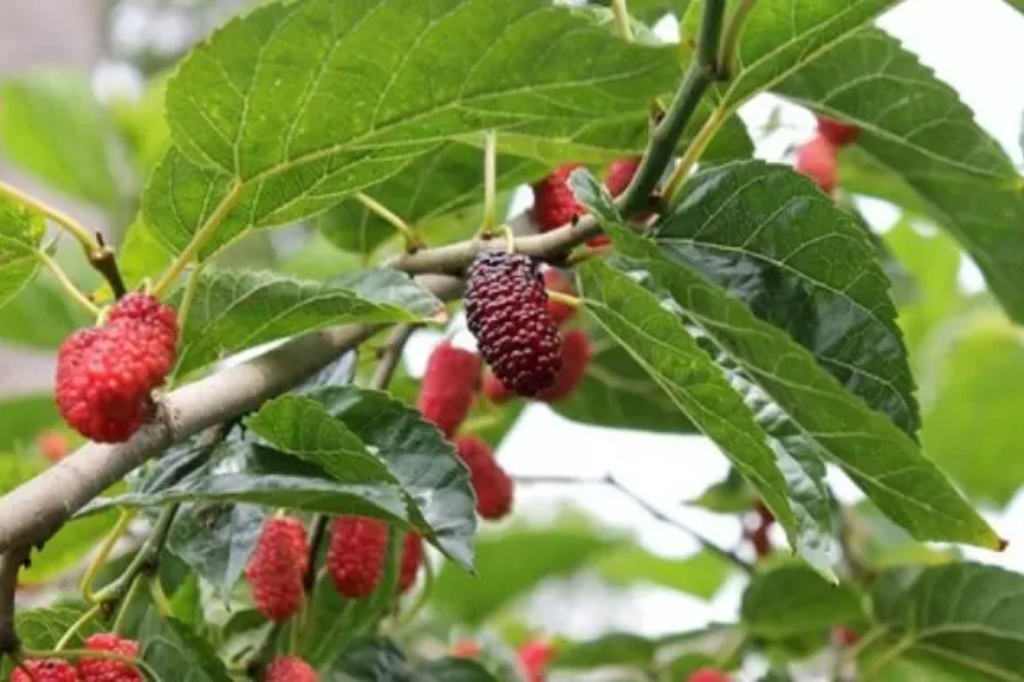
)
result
[(105, 375), (356, 553), (87, 669)]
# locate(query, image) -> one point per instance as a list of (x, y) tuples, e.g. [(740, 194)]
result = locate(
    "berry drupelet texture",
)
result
[(276, 569), (507, 311), (553, 202), (575, 359), (290, 669), (493, 487), (356, 553), (46, 670), (106, 669), (449, 383), (105, 375)]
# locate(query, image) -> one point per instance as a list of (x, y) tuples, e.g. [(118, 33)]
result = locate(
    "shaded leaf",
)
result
[(52, 126), (67, 548), (419, 457), (42, 299), (880, 458), (615, 649), (773, 240), (928, 138), (238, 309), (965, 615), (174, 652), (731, 495), (791, 600)]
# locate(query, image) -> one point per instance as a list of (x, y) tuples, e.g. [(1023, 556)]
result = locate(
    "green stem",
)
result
[(694, 151), (189, 296), (77, 230), (665, 136), (622, 22), (490, 181), (144, 562), (126, 603), (413, 240), (67, 285), (93, 611), (199, 239), (566, 299), (159, 597), (101, 558), (731, 38)]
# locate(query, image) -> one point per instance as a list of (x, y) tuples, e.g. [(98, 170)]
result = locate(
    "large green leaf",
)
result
[(42, 315), (239, 471), (41, 629), (881, 459), (790, 600), (535, 555), (616, 392), (430, 188), (773, 240), (784, 36), (21, 230), (658, 341), (972, 422), (915, 126), (52, 126), (418, 456), (302, 104), (238, 309), (966, 615)]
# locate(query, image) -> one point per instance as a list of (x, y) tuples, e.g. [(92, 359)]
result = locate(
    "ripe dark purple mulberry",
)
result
[(507, 311)]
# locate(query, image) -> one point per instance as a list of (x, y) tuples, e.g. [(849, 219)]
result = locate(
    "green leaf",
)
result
[(143, 253), (657, 340), (378, 659), (21, 230), (615, 649), (22, 418), (773, 240), (731, 495), (536, 555), (238, 309), (174, 652), (701, 574), (303, 427), (216, 540), (784, 36), (966, 615), (928, 138), (429, 189), (41, 629), (41, 299), (972, 423), (616, 392), (792, 600), (879, 543), (279, 73), (419, 457), (247, 473), (53, 127), (886, 463)]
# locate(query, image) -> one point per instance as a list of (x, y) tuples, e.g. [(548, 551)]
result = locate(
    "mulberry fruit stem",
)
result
[(490, 181), (126, 603), (567, 299), (413, 240), (189, 296), (69, 287), (85, 618), (199, 240), (75, 228), (622, 20), (159, 597), (89, 579)]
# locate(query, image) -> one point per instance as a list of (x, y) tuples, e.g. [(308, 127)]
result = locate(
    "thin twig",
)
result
[(67, 285), (77, 230), (490, 181), (731, 38), (622, 20), (317, 535), (391, 356), (610, 481)]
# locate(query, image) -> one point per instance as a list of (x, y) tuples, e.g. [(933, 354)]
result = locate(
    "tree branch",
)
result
[(10, 565), (33, 511), (610, 481)]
